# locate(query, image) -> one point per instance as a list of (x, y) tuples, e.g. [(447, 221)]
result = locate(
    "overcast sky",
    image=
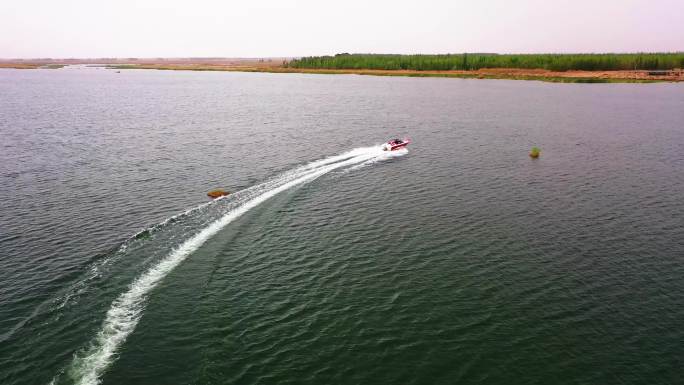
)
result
[(258, 28)]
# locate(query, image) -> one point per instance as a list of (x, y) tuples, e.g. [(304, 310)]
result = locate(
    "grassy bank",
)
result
[(31, 66), (512, 74), (469, 62), (19, 66), (580, 68), (53, 66)]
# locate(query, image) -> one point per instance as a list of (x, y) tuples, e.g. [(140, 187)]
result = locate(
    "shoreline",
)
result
[(572, 76), (493, 73), (31, 66)]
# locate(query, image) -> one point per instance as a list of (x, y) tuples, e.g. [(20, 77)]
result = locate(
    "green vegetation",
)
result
[(466, 61), (534, 153), (545, 78), (462, 75)]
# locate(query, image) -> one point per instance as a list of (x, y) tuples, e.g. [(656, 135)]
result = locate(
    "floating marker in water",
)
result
[(217, 193), (534, 153)]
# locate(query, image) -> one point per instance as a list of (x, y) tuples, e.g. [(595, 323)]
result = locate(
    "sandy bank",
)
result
[(494, 73)]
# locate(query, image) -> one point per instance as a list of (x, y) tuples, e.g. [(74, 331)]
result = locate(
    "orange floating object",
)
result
[(217, 193)]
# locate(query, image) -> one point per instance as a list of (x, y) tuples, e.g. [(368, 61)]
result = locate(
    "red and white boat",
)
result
[(396, 144)]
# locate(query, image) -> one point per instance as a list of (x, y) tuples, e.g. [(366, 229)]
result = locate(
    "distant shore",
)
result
[(491, 73), (578, 67), (280, 65)]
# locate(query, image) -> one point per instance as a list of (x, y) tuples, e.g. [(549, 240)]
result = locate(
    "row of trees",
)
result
[(466, 61)]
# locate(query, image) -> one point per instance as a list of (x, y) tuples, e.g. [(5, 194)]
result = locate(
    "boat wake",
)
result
[(126, 310)]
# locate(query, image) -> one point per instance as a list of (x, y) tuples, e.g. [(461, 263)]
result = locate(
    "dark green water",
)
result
[(461, 260)]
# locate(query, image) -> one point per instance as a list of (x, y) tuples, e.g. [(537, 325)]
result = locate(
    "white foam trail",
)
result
[(384, 156), (126, 310)]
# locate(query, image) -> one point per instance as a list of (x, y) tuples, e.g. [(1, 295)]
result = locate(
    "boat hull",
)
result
[(397, 146), (392, 146)]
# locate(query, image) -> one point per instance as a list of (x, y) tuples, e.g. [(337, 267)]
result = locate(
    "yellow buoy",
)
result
[(217, 193), (534, 153)]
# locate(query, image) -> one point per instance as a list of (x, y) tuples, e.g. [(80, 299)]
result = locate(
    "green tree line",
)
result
[(474, 61)]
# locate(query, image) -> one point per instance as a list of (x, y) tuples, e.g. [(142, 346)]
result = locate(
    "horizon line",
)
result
[(73, 58)]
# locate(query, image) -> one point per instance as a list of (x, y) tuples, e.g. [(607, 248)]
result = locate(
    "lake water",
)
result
[(461, 260)]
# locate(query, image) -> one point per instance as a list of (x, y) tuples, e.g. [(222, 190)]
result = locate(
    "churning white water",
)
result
[(125, 312)]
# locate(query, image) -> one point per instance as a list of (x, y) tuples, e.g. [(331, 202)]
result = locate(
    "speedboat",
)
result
[(395, 144)]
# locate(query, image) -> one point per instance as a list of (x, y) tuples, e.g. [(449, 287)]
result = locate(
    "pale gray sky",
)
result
[(180, 28)]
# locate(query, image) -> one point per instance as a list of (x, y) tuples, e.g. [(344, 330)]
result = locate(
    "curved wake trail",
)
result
[(125, 312)]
